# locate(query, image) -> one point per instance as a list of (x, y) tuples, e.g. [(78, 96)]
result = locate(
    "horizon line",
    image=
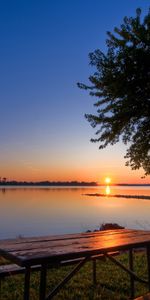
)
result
[(72, 182)]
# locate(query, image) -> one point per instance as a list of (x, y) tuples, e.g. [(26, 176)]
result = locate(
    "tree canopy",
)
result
[(121, 85)]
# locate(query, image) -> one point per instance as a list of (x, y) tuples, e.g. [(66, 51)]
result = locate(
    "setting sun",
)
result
[(108, 180)]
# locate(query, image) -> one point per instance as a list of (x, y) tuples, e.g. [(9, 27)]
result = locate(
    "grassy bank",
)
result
[(81, 286)]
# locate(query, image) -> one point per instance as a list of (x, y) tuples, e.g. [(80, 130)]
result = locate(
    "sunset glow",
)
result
[(74, 145), (108, 180), (44, 133)]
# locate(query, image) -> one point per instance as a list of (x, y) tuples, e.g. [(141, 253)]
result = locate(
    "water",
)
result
[(43, 211)]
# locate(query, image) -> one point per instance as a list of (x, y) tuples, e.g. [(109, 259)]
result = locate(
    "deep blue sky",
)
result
[(43, 53)]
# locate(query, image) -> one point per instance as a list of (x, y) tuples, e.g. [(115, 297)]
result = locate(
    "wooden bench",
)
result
[(28, 252), (13, 269), (145, 297)]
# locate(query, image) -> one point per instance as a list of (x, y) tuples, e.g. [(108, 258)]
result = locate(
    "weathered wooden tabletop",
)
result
[(53, 249)]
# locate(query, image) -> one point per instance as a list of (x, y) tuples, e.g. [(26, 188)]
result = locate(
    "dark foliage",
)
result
[(108, 226), (46, 183), (122, 85)]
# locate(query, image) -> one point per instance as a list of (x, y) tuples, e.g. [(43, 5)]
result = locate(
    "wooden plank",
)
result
[(52, 258), (58, 237), (57, 243), (145, 297), (55, 247), (34, 253), (11, 242)]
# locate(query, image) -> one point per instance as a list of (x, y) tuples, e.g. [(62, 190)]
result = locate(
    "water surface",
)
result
[(46, 210)]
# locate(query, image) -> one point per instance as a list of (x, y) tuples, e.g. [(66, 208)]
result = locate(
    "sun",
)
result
[(108, 180)]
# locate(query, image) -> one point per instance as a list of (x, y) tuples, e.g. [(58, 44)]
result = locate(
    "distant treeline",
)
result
[(131, 184), (46, 183), (5, 182), (120, 196)]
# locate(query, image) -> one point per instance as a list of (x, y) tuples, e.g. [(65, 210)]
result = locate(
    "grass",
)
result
[(112, 282)]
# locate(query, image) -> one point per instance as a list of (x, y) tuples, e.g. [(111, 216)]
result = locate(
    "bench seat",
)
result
[(13, 269), (145, 297)]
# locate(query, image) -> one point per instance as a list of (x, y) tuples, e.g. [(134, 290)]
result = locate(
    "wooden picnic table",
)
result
[(50, 251)]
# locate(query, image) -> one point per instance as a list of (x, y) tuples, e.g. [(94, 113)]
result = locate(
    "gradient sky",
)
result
[(43, 54)]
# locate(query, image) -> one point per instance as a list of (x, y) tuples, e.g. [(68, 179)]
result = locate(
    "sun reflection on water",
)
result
[(107, 190)]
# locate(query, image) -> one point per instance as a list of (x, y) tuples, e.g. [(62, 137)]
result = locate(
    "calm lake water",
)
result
[(41, 211)]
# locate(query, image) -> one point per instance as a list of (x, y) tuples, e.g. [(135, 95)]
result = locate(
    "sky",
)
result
[(43, 54)]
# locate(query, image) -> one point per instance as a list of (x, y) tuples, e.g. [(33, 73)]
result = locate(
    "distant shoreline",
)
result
[(47, 183), (63, 183), (145, 197)]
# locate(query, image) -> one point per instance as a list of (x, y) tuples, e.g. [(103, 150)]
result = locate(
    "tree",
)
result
[(122, 85)]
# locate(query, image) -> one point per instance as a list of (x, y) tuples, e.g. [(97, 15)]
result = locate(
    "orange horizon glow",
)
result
[(41, 176), (44, 135), (71, 172)]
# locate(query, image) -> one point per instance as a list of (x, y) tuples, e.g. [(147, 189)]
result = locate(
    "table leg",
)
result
[(66, 279), (94, 271), (0, 288), (27, 284), (43, 282), (131, 277), (148, 264)]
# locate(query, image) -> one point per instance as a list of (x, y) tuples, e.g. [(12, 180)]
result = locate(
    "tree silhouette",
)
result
[(122, 85)]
